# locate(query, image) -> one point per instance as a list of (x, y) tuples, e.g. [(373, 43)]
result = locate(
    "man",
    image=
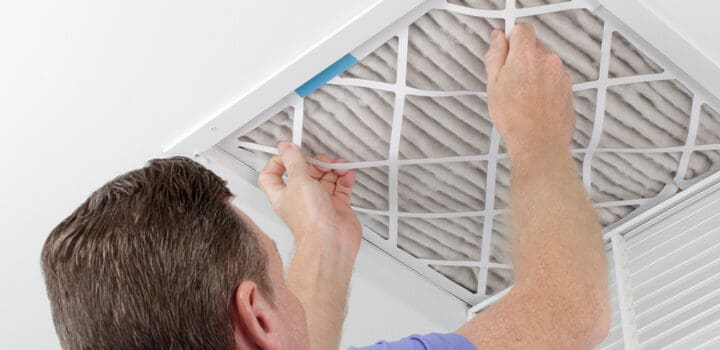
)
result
[(159, 259)]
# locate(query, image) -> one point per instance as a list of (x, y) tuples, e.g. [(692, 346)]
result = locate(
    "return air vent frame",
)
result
[(692, 70)]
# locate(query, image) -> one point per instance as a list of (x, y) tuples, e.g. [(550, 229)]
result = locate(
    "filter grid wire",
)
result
[(688, 148), (395, 136), (298, 115), (599, 107)]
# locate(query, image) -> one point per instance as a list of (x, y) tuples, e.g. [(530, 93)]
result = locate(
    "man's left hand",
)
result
[(315, 201)]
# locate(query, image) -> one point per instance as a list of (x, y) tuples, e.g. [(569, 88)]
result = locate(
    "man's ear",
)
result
[(254, 323)]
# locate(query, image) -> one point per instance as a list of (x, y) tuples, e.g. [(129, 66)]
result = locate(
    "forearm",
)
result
[(560, 297), (558, 246), (315, 203), (319, 276)]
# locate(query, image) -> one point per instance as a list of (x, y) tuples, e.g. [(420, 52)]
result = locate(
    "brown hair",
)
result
[(151, 260)]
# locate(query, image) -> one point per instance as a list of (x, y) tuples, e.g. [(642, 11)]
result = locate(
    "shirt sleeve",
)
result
[(433, 341)]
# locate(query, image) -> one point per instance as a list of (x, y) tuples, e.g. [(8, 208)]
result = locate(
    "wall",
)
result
[(90, 89)]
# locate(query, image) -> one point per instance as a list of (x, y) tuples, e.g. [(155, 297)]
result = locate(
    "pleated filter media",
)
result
[(433, 176), (411, 119)]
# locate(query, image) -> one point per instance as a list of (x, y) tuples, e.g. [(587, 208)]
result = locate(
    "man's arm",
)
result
[(315, 204), (560, 296)]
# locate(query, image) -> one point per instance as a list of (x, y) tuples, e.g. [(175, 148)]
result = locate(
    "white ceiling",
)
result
[(695, 20), (90, 89)]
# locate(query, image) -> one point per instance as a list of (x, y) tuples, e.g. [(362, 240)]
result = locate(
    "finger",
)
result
[(522, 38), (325, 159), (497, 54), (549, 56), (324, 175), (541, 48), (317, 171), (270, 178), (344, 186), (328, 181), (341, 172), (293, 159)]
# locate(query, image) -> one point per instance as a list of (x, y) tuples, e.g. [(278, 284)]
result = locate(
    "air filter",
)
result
[(408, 110)]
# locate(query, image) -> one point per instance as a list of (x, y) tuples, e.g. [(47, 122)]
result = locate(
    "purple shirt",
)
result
[(433, 341)]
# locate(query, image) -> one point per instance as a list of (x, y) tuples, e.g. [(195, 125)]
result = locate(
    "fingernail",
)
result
[(493, 34)]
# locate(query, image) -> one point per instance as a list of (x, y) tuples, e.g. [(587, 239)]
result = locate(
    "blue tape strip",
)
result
[(328, 73)]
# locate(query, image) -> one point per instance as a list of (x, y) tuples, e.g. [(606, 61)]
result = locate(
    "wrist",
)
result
[(538, 152), (319, 275), (343, 240), (327, 249)]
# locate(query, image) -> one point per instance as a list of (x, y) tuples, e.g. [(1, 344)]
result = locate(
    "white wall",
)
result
[(90, 89)]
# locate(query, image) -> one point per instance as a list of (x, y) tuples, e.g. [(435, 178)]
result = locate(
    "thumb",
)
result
[(293, 159)]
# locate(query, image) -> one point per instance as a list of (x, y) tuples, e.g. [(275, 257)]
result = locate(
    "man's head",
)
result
[(159, 258)]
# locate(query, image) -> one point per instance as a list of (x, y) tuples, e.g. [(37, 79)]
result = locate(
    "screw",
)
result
[(213, 128)]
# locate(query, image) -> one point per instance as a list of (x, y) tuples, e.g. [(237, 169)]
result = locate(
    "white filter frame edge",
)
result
[(345, 39), (374, 20), (649, 27)]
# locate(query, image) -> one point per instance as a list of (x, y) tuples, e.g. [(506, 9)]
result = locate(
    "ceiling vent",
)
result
[(408, 110)]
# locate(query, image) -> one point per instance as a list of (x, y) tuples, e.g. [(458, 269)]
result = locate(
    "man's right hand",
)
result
[(559, 298), (529, 94)]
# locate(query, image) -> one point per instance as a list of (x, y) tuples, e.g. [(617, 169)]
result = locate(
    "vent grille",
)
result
[(666, 310), (670, 269)]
